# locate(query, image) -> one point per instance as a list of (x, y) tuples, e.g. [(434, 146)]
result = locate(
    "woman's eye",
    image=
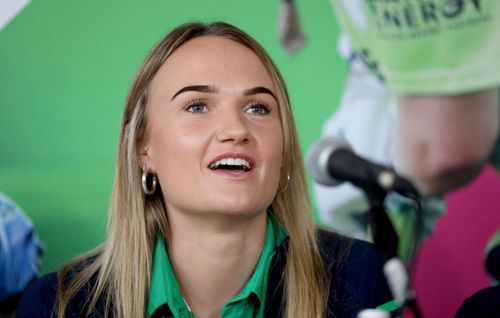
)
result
[(197, 108), (258, 109)]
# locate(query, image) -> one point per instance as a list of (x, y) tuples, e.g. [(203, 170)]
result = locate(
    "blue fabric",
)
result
[(20, 249)]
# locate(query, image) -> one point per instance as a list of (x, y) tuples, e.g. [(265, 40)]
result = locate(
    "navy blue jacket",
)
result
[(356, 282), (483, 304)]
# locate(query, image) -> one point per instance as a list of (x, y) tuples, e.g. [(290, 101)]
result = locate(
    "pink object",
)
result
[(451, 262)]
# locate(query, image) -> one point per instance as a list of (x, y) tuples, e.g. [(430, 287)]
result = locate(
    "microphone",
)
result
[(492, 261), (331, 161)]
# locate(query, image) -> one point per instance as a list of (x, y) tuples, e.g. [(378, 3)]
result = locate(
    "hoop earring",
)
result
[(144, 181), (287, 183)]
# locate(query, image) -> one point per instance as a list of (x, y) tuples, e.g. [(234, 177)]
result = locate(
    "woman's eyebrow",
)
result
[(213, 89), (259, 90), (196, 88)]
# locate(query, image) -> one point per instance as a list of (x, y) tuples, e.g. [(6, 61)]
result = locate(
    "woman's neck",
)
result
[(213, 258)]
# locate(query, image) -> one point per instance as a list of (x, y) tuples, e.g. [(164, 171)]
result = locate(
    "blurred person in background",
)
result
[(20, 252), (421, 95)]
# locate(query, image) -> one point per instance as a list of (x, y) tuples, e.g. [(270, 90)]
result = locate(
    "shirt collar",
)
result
[(257, 284)]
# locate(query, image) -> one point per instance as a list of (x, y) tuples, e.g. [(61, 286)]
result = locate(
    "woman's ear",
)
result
[(142, 148), (144, 155)]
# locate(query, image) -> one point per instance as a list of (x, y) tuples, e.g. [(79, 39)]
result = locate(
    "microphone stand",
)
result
[(384, 235), (386, 241)]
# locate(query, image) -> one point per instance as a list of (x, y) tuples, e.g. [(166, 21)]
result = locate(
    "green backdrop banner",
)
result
[(65, 68)]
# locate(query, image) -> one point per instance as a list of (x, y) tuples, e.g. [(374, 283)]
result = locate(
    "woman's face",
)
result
[(214, 133)]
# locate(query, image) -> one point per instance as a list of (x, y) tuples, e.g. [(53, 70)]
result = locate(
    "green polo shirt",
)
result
[(249, 302)]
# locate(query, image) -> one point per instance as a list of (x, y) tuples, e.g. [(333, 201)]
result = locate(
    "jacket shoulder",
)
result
[(39, 298), (356, 274)]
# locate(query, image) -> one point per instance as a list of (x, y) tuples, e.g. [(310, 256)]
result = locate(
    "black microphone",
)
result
[(331, 161), (492, 260)]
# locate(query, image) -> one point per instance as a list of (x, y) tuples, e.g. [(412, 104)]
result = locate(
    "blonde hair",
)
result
[(120, 268)]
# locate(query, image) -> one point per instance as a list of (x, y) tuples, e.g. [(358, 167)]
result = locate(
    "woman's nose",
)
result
[(232, 127)]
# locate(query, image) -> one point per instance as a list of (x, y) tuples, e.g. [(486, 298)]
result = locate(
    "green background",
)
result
[(65, 69)]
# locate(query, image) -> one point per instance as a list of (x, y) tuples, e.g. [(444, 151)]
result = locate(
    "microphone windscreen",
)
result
[(318, 157)]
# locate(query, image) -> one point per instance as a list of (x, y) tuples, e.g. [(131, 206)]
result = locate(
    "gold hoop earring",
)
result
[(144, 181), (287, 183)]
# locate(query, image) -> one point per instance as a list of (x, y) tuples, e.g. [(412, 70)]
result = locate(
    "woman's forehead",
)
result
[(213, 60)]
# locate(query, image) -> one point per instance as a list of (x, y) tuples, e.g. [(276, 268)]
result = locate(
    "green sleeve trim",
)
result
[(389, 306)]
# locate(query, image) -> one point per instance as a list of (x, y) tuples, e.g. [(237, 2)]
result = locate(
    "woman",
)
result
[(210, 215)]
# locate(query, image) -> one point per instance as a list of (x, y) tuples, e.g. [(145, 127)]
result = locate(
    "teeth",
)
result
[(231, 162)]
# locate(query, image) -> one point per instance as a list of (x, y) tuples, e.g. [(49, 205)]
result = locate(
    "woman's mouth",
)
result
[(231, 163)]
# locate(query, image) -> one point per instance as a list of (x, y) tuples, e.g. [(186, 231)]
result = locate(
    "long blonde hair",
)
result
[(120, 268)]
